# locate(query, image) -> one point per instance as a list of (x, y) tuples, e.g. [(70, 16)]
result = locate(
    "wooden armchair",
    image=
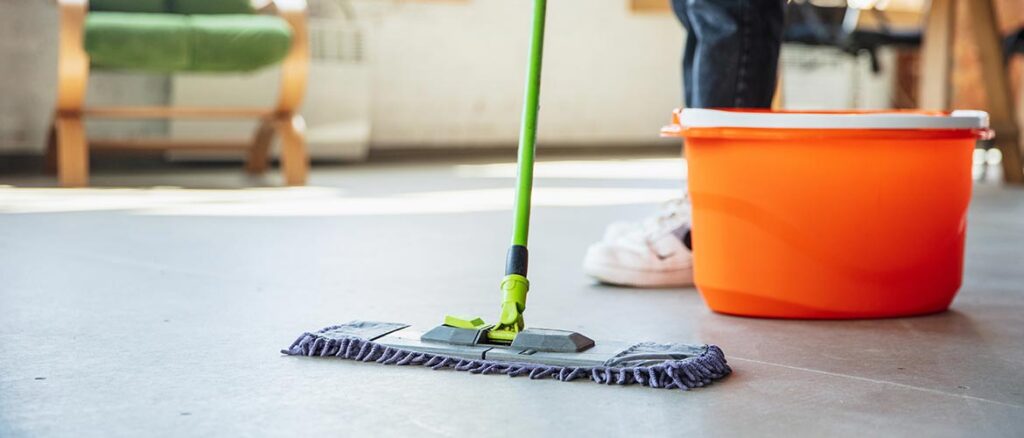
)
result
[(99, 32)]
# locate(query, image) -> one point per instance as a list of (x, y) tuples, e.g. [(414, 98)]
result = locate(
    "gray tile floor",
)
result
[(160, 311)]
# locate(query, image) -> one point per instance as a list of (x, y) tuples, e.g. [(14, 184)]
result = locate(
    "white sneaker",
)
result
[(649, 253), (671, 214)]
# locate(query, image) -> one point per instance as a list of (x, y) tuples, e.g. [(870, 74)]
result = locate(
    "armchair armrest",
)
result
[(295, 67), (72, 60)]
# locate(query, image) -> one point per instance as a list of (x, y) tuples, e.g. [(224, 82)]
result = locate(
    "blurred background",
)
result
[(405, 78), (185, 185)]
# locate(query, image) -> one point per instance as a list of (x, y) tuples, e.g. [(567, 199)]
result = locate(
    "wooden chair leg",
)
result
[(778, 100), (72, 152), (256, 162), (936, 65), (294, 158), (1001, 109), (294, 74)]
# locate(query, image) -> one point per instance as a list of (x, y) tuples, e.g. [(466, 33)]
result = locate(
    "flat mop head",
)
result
[(539, 354)]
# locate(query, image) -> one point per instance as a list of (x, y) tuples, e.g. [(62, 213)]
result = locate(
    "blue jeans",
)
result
[(732, 51)]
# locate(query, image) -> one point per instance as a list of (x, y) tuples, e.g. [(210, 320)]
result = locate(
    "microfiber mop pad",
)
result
[(669, 366)]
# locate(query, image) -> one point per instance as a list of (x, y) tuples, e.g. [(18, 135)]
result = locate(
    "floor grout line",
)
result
[(884, 382)]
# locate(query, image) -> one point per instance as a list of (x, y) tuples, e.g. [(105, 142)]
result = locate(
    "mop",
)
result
[(508, 346)]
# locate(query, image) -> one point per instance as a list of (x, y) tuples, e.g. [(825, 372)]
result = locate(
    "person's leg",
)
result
[(689, 50), (730, 60), (737, 52)]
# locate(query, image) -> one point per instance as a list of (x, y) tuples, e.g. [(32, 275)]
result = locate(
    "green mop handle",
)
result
[(528, 129), (515, 284)]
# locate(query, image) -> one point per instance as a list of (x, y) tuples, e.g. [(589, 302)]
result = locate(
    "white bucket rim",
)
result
[(719, 118)]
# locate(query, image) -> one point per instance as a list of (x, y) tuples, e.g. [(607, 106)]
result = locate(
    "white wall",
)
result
[(28, 78), (452, 73)]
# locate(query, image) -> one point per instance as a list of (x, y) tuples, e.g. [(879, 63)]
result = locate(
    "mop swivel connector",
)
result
[(514, 288)]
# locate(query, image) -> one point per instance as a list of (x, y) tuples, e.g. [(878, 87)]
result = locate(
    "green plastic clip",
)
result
[(513, 303), (464, 323)]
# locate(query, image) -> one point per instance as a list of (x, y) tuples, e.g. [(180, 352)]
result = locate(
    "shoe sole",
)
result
[(645, 279)]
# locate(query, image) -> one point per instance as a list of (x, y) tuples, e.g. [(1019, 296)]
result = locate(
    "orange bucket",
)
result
[(828, 214)]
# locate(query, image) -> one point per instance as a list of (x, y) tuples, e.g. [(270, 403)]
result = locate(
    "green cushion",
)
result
[(153, 42), (211, 6), (238, 42), (172, 42), (128, 5)]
